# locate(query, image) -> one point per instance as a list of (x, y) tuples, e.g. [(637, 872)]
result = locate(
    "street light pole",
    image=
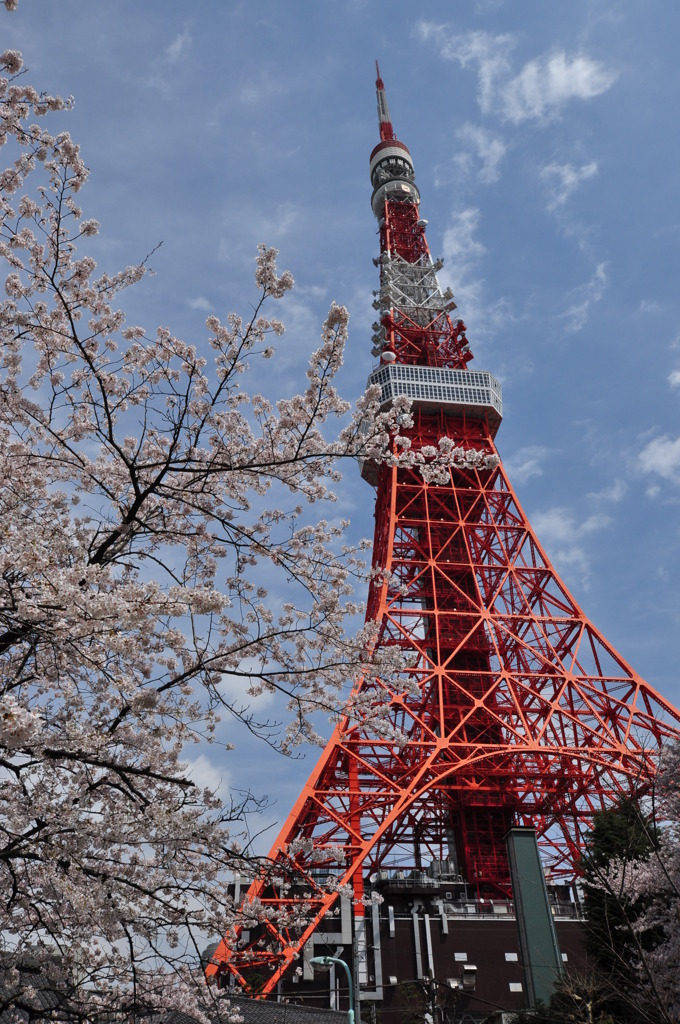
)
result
[(326, 961)]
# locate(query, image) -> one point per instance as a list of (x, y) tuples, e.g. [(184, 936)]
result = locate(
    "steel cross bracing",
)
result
[(414, 314), (414, 311), (511, 707)]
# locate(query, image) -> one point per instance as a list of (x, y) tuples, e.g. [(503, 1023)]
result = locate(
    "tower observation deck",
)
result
[(511, 709)]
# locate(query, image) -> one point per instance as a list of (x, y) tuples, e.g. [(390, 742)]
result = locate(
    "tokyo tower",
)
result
[(514, 708)]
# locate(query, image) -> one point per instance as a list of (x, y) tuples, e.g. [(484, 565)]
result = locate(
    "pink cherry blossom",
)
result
[(144, 496)]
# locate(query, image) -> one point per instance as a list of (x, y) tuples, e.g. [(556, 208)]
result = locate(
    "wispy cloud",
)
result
[(662, 457), (262, 89), (179, 47), (526, 463), (547, 83), (563, 179), (488, 52), (459, 240), (584, 298), (674, 378), (462, 252), (173, 54), (538, 91), (485, 149), (564, 538), (207, 775), (614, 493), (200, 303)]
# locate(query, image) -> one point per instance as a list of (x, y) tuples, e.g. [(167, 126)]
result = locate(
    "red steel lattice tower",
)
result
[(515, 708)]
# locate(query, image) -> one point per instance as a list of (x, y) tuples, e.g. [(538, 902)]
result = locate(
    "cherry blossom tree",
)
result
[(143, 494)]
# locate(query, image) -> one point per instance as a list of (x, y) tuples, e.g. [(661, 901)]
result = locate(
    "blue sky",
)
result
[(546, 148)]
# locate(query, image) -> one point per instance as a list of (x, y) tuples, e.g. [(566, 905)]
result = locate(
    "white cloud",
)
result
[(459, 241), (547, 83), (159, 76), (614, 493), (526, 463), (179, 47), (563, 538), (488, 52), (314, 291), (674, 378), (200, 303), (462, 251), (537, 92), (598, 521), (584, 298), (236, 688), (206, 775), (562, 179), (487, 148), (284, 217), (661, 456)]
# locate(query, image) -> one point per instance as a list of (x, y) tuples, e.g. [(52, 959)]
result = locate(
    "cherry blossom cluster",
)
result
[(145, 497)]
